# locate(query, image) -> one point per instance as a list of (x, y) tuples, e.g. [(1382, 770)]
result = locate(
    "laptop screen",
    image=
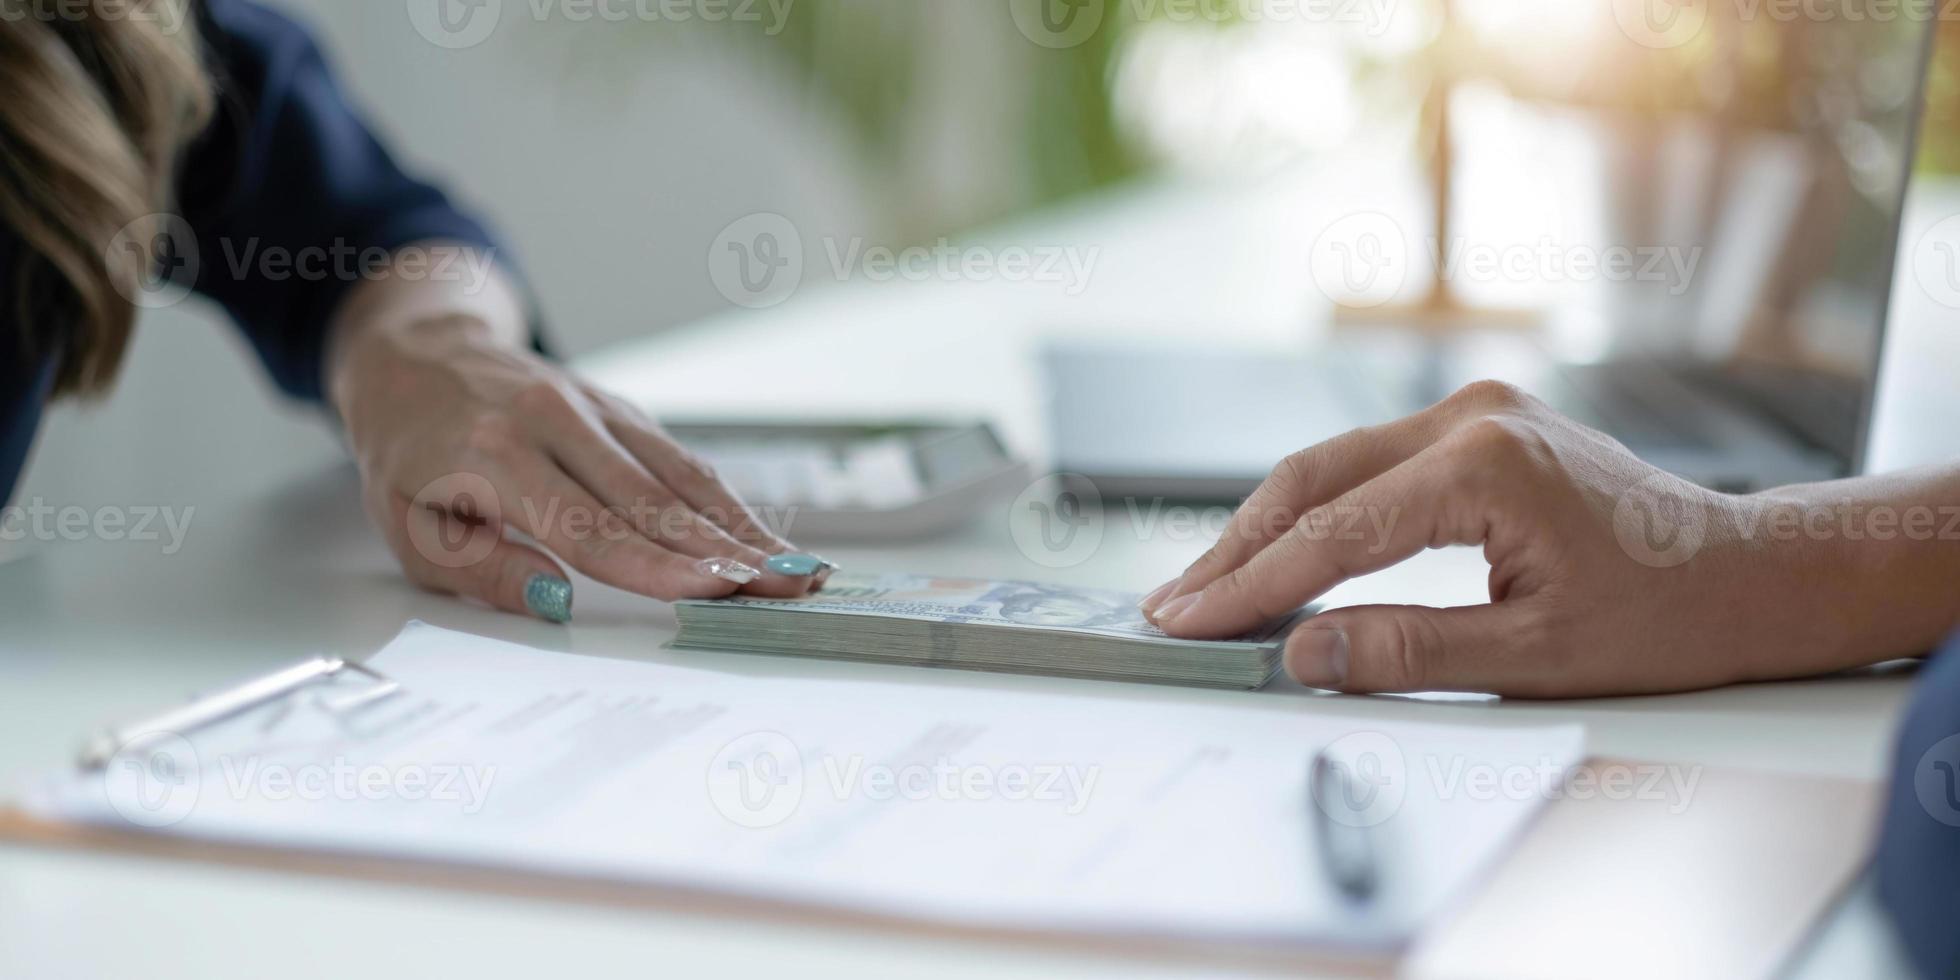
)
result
[(1804, 152)]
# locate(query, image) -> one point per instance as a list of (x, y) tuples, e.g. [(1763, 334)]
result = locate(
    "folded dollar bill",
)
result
[(1022, 627)]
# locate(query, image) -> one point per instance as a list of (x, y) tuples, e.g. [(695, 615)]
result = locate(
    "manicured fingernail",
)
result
[(728, 570), (1318, 656), (1177, 607), (1158, 595), (797, 566), (549, 598)]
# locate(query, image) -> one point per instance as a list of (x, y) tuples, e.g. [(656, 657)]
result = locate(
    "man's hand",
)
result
[(1608, 576)]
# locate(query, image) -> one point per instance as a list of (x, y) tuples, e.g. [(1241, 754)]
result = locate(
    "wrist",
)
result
[(364, 351), (400, 316), (1856, 577)]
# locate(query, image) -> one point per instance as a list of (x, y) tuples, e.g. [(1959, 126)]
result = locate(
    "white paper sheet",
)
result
[(1027, 812)]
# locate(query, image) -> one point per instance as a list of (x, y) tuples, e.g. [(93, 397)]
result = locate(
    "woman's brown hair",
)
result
[(97, 101)]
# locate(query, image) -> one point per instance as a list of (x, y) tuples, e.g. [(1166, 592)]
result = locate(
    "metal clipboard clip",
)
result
[(211, 709)]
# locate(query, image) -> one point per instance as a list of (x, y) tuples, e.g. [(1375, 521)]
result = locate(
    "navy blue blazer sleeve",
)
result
[(289, 168)]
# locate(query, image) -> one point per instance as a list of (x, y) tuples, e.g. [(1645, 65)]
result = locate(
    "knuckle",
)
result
[(697, 467), (1488, 395), (1291, 473), (542, 399), (1311, 539), (1489, 433), (1413, 641), (505, 579), (1243, 586), (614, 526), (493, 435), (647, 497), (1239, 582), (1212, 558), (624, 411), (593, 553), (1504, 440), (595, 546)]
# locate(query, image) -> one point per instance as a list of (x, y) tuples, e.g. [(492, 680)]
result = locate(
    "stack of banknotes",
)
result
[(1022, 627)]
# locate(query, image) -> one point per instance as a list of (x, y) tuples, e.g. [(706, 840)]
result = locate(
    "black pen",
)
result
[(1347, 848)]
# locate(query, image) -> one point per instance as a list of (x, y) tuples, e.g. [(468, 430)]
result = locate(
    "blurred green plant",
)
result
[(866, 61)]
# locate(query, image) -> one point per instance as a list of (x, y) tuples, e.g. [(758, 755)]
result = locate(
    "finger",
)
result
[(1417, 505), (695, 481), (1309, 478), (447, 553), (1300, 481), (698, 484), (1386, 649), (545, 502), (718, 526), (619, 482), (582, 446)]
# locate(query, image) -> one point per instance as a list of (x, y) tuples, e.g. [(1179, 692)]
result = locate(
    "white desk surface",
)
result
[(97, 631)]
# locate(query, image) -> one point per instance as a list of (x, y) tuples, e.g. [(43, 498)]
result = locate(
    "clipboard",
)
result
[(1595, 887), (210, 709), (99, 751)]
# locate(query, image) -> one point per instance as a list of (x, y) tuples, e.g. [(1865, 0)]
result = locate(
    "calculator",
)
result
[(859, 481)]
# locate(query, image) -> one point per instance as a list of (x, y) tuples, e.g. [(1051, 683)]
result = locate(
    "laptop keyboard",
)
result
[(1644, 406)]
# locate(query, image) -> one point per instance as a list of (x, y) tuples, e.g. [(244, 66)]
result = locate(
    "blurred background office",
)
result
[(613, 141)]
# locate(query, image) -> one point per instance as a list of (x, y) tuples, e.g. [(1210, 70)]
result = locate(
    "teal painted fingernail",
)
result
[(797, 566), (549, 597)]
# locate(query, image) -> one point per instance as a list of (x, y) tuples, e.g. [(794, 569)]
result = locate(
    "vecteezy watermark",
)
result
[(759, 260), (459, 24), (167, 15), (1067, 23), (1935, 261), (1846, 520), (153, 779), (38, 520), (158, 259), (1673, 23), (760, 780), (1062, 520), (338, 779), (166, 260), (1378, 780), (1364, 259), (1663, 522), (1669, 266), (157, 779), (482, 513), (1375, 783), (1360, 260), (1058, 521), (1661, 23), (1549, 779), (1936, 780)]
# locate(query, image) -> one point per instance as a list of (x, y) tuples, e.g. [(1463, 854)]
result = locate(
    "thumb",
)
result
[(444, 553), (1387, 649)]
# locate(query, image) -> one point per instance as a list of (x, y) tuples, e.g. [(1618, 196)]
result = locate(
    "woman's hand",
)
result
[(1607, 576), (463, 437)]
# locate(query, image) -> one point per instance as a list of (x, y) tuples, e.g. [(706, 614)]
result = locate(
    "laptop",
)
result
[(1763, 374)]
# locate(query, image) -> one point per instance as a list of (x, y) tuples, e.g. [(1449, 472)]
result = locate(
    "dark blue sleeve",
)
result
[(288, 168), (1918, 863)]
